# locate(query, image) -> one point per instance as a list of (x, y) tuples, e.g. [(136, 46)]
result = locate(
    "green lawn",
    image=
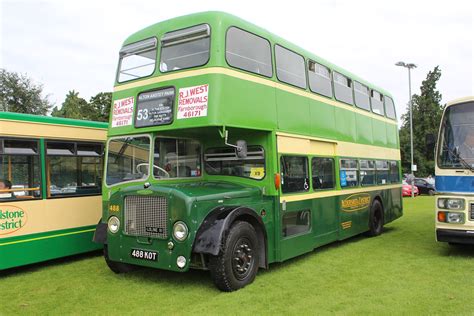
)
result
[(403, 271)]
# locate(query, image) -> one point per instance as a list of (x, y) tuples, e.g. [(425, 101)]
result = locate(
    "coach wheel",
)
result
[(375, 219), (237, 264), (431, 192), (117, 267)]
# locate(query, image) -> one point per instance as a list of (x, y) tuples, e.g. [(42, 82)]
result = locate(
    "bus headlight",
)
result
[(113, 224), (455, 218), (180, 231), (451, 204)]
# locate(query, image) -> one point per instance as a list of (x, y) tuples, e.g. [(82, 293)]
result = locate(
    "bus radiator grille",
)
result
[(146, 216), (471, 215)]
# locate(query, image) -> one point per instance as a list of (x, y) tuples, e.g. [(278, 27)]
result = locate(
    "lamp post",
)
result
[(410, 66)]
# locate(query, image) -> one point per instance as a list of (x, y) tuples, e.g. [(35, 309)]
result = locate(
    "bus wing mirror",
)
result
[(241, 149)]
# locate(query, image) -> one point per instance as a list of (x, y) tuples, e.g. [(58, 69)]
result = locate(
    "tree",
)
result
[(18, 93), (73, 107), (97, 109), (427, 111), (101, 104)]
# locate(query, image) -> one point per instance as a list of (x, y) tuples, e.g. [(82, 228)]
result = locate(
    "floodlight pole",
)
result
[(410, 66)]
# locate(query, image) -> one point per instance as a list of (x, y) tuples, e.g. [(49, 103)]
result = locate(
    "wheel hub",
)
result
[(242, 258)]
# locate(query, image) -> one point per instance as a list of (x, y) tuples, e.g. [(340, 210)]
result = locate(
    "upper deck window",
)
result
[(249, 52), (290, 67), (319, 79), (361, 93), (137, 60), (377, 103), (343, 88), (390, 108), (185, 48)]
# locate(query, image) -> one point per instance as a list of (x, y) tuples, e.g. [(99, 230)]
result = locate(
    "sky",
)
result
[(72, 45)]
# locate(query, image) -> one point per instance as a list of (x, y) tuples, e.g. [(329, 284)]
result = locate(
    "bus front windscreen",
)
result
[(128, 159), (456, 143)]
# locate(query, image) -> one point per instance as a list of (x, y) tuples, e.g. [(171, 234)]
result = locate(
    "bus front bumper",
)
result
[(455, 236)]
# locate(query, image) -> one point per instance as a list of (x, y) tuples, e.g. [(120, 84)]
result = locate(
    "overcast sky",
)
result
[(69, 45)]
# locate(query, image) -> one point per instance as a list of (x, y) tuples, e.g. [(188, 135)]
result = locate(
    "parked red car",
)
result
[(406, 189)]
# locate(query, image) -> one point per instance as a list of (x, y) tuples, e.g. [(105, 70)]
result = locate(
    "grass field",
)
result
[(403, 271)]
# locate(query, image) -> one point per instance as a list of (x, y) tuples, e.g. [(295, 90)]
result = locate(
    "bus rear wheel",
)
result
[(375, 219), (237, 264), (117, 267)]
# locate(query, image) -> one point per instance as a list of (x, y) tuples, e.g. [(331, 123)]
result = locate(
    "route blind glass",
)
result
[(155, 108), (249, 52)]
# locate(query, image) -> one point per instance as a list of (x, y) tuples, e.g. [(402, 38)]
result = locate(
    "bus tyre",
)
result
[(375, 219), (237, 264), (117, 267), (431, 192)]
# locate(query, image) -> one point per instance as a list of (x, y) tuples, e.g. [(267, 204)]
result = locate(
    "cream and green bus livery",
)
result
[(50, 187), (230, 148)]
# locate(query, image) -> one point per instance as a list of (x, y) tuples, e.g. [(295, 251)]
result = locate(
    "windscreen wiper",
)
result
[(456, 155)]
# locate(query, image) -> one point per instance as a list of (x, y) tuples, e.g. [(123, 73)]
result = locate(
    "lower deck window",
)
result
[(295, 223), (294, 174), (19, 169), (73, 168), (348, 173), (224, 161)]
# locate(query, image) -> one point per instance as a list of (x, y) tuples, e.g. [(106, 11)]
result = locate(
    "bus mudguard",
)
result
[(100, 234), (214, 228)]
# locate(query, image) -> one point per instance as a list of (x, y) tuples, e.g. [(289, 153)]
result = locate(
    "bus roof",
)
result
[(460, 100), (11, 116), (217, 17)]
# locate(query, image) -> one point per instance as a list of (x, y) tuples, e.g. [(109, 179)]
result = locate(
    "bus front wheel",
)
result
[(237, 264), (117, 267), (375, 219)]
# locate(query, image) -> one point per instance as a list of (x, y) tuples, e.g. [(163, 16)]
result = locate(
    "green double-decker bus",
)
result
[(230, 148)]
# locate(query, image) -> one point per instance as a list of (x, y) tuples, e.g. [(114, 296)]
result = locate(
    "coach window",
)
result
[(290, 67), (19, 169), (294, 174), (361, 94), (394, 172), (382, 171), (349, 173), (73, 169), (343, 88), (376, 100), (248, 52), (319, 79), (322, 170), (367, 172), (185, 48), (390, 108)]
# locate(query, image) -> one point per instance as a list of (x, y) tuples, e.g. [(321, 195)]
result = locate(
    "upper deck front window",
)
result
[(456, 144), (137, 60), (185, 48)]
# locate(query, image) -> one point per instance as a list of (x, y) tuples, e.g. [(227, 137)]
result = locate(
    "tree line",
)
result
[(18, 93)]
